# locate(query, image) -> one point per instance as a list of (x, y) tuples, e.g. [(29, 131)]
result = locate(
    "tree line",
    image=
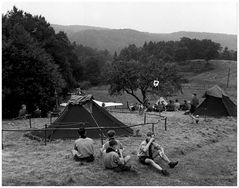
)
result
[(37, 63)]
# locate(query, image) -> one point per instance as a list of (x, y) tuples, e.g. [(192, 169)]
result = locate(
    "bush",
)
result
[(85, 85)]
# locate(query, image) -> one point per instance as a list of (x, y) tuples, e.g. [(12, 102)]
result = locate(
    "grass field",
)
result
[(206, 152)]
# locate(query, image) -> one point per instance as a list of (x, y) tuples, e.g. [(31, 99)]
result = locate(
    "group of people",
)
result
[(113, 156), (176, 105), (22, 114)]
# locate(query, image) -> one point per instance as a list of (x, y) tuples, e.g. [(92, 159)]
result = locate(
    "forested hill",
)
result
[(116, 39)]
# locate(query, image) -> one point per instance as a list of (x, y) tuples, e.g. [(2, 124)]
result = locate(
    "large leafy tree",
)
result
[(210, 49), (130, 76), (29, 74)]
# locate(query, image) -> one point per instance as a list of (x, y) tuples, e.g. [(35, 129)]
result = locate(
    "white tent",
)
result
[(161, 99), (107, 104)]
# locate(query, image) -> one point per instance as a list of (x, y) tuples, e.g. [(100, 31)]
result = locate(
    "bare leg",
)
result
[(163, 156), (152, 163), (127, 158)]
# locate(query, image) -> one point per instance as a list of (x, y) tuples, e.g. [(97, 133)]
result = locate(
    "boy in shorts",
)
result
[(145, 154)]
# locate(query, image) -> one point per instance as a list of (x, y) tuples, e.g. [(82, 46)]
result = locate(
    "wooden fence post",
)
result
[(144, 117), (165, 123), (50, 118), (45, 133), (153, 127), (30, 122), (2, 139)]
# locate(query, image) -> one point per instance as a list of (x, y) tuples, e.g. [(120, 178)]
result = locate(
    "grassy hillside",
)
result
[(116, 39), (218, 75), (199, 82), (27, 162), (74, 28)]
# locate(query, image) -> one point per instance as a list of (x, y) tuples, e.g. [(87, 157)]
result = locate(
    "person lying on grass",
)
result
[(111, 136), (145, 154), (83, 147), (112, 160)]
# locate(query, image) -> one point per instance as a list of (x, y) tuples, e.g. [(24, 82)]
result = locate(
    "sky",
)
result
[(155, 16)]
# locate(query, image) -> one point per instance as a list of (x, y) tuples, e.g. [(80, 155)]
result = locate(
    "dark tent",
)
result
[(82, 111), (217, 103)]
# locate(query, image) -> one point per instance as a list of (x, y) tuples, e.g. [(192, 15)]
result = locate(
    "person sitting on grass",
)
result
[(145, 154), (37, 112), (111, 136), (83, 147), (22, 112), (112, 160), (170, 107), (184, 106)]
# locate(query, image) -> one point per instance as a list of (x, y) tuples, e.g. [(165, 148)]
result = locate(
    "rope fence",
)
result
[(45, 129)]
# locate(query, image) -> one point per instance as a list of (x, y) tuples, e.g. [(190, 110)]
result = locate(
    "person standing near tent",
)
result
[(83, 147), (194, 102), (146, 150), (177, 105), (112, 159)]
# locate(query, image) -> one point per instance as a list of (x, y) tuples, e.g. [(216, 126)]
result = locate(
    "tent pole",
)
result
[(99, 127)]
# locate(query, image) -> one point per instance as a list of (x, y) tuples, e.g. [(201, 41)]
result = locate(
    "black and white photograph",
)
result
[(119, 93)]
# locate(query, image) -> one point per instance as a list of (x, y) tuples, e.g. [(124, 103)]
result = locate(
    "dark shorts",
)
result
[(91, 158), (122, 168), (143, 158)]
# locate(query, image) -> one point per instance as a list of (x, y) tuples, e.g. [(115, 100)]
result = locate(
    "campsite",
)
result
[(74, 96), (214, 139), (206, 154)]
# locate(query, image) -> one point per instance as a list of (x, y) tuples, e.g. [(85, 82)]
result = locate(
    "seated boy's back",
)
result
[(84, 146)]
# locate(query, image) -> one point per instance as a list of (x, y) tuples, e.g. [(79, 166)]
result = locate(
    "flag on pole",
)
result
[(156, 83)]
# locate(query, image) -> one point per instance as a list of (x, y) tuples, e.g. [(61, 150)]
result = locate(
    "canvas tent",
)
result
[(217, 103), (161, 99), (82, 111)]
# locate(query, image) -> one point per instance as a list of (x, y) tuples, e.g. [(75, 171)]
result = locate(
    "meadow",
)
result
[(206, 152)]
